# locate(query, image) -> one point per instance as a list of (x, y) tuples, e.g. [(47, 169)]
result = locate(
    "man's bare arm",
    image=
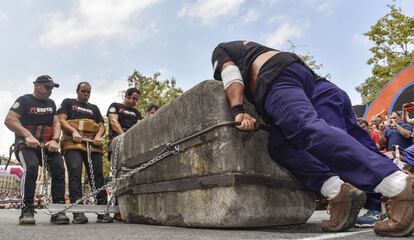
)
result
[(68, 128), (114, 123), (235, 96), (13, 123)]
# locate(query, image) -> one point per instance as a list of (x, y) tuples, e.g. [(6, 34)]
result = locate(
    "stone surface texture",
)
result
[(276, 200)]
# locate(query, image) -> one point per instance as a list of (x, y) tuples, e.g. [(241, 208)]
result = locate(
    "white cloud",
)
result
[(95, 19), (287, 31), (250, 16), (210, 11)]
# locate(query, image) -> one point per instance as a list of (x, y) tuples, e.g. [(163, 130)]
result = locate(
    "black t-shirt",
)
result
[(78, 110), (127, 117), (243, 54), (34, 112)]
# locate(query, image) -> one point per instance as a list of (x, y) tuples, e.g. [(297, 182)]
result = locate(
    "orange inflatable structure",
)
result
[(395, 93)]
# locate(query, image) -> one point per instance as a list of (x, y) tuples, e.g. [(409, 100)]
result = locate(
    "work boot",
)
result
[(104, 218), (59, 218), (400, 210), (344, 209), (79, 218), (27, 215)]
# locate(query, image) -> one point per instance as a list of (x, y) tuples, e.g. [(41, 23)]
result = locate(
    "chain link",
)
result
[(91, 172), (172, 149), (118, 143), (45, 190), (116, 181)]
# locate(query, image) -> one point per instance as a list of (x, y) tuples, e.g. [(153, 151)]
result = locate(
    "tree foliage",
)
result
[(153, 90), (393, 38)]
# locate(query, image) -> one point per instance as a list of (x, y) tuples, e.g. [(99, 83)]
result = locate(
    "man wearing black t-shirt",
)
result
[(82, 121), (320, 155), (34, 121), (122, 116)]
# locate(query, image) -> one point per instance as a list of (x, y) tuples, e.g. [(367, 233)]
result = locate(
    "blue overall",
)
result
[(308, 146), (334, 106)]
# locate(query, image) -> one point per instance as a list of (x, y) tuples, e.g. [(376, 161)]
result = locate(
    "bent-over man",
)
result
[(325, 159)]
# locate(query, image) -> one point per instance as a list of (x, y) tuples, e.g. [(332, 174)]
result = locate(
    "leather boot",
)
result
[(344, 209), (400, 210)]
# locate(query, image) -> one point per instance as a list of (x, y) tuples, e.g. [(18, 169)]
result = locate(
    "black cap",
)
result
[(46, 80)]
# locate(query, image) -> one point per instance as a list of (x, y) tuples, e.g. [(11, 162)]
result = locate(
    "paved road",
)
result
[(10, 230)]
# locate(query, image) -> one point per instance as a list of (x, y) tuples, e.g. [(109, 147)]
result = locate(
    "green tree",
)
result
[(153, 90), (393, 38)]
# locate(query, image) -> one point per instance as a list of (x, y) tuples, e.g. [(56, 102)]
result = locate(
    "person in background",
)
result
[(396, 132), (374, 131), (151, 109)]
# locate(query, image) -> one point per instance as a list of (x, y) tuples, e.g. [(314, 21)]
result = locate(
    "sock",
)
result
[(331, 187), (393, 184)]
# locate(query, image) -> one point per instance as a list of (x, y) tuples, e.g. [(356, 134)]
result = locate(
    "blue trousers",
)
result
[(334, 106), (307, 145)]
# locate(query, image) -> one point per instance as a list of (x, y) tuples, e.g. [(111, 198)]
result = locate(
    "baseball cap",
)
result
[(46, 80)]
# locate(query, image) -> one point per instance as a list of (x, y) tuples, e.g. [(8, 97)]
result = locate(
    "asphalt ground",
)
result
[(10, 230)]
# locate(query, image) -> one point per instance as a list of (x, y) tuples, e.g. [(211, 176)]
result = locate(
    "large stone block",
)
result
[(223, 179)]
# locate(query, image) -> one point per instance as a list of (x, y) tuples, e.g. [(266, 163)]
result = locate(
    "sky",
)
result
[(104, 41)]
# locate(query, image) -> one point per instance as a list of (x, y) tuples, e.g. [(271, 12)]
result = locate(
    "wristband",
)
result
[(237, 109)]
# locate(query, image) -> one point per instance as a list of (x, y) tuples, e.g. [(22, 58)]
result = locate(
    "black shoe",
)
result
[(79, 218), (59, 218), (104, 218), (27, 215)]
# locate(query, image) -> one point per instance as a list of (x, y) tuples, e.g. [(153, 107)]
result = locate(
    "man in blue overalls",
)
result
[(323, 158)]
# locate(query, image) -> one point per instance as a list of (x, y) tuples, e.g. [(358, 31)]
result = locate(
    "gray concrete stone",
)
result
[(225, 179)]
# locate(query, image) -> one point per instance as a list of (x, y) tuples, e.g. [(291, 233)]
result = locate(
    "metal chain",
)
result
[(172, 149), (90, 163), (116, 181), (118, 144), (45, 190)]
